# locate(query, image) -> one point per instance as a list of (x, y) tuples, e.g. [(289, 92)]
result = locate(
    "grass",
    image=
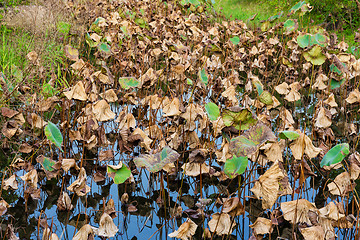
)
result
[(245, 9)]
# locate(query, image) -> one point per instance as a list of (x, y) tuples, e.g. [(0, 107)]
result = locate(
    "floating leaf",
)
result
[(241, 120), (53, 134), (156, 162), (119, 173), (48, 164), (103, 47), (212, 110), (291, 135), (203, 76), (250, 141), (336, 84), (266, 98), (235, 40), (235, 166), (315, 56), (128, 82), (304, 40), (335, 154), (290, 25)]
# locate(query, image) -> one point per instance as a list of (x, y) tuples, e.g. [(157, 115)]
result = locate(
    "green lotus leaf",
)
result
[(304, 40), (103, 47), (315, 56), (48, 164), (203, 76), (290, 25), (235, 40), (266, 98), (335, 154), (241, 120), (250, 141), (53, 134), (291, 135), (212, 110), (156, 162), (235, 166), (336, 84), (119, 174), (128, 82)]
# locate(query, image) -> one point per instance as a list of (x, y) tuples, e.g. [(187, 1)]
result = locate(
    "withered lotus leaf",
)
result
[(31, 178), (267, 187), (79, 185), (64, 202), (313, 233), (261, 226), (185, 231), (155, 162), (77, 92), (353, 97), (249, 142), (233, 207), (221, 224), (323, 119), (195, 169), (84, 233), (341, 185), (107, 228), (331, 211), (10, 182), (241, 119), (102, 111), (172, 108), (297, 211), (303, 144)]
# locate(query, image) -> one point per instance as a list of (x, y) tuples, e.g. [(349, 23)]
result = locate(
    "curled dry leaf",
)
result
[(297, 211), (195, 169), (323, 119), (77, 92), (7, 112), (156, 162), (331, 211), (31, 178), (233, 207), (341, 185), (3, 207), (79, 185), (102, 111), (353, 97), (267, 187), (172, 108), (185, 231), (107, 228), (109, 95), (221, 224), (68, 163), (10, 233), (10, 182), (64, 202), (354, 160), (303, 144), (261, 226), (313, 233), (84, 233)]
